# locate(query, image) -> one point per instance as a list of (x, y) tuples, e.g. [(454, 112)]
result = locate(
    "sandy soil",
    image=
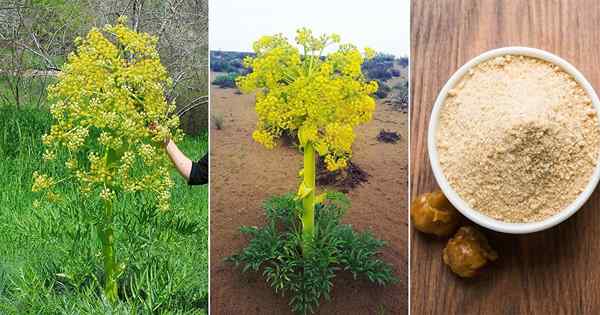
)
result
[(244, 174)]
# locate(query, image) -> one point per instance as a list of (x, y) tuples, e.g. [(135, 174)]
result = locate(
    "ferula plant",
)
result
[(110, 90), (321, 98)]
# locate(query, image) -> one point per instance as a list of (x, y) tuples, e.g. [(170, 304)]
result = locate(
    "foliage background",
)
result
[(50, 259), (391, 73), (37, 35)]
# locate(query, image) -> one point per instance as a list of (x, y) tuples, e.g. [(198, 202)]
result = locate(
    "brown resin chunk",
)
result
[(432, 213), (468, 252)]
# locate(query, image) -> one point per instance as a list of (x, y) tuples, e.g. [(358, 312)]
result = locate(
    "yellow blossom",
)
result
[(49, 155), (322, 99), (41, 182), (107, 195), (107, 94), (264, 138)]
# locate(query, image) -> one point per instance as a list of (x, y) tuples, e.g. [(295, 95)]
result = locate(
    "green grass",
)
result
[(32, 90), (50, 257)]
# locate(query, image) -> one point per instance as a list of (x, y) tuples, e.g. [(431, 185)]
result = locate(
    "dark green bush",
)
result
[(225, 80), (400, 99), (403, 61), (275, 249), (379, 67), (383, 90), (228, 61)]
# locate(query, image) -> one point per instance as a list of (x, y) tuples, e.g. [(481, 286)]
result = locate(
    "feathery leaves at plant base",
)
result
[(322, 98), (276, 249), (108, 93)]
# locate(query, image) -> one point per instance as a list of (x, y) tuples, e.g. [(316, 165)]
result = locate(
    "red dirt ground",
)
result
[(244, 174)]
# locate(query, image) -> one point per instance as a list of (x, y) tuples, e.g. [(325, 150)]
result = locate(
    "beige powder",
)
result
[(518, 138)]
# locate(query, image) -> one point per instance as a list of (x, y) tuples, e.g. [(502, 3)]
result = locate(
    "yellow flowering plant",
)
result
[(108, 94), (321, 98)]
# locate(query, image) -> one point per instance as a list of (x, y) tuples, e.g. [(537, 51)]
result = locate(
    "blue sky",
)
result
[(380, 24)]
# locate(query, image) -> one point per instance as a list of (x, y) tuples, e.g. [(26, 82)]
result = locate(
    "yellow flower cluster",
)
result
[(264, 138), (108, 94), (321, 97), (41, 182)]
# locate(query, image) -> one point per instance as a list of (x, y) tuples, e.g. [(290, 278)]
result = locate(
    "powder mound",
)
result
[(518, 139)]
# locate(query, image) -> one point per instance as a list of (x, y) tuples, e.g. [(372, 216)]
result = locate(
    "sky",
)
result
[(379, 24)]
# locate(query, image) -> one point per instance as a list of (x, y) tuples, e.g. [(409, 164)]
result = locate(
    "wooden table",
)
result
[(551, 272)]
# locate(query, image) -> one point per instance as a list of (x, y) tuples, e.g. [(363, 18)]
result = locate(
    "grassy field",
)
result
[(50, 256)]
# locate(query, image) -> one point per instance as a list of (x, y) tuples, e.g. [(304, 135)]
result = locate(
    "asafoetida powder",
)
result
[(518, 138)]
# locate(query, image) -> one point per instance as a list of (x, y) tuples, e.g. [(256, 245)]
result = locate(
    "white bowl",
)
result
[(462, 206)]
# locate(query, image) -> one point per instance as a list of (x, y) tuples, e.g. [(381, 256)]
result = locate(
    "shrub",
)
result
[(401, 97), (217, 119), (379, 67), (378, 73), (388, 136), (403, 61), (228, 61), (220, 66), (225, 80), (383, 90)]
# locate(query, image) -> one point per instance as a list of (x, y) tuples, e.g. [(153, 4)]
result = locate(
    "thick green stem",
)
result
[(110, 265), (308, 202)]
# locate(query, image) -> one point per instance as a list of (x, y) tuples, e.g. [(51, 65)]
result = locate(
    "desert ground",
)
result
[(244, 174)]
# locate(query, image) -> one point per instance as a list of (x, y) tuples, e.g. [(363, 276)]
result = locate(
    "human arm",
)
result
[(182, 163)]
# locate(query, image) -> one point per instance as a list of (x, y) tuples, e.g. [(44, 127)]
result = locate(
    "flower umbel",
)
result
[(322, 98), (41, 182), (108, 93)]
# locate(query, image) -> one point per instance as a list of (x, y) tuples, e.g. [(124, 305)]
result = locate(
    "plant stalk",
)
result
[(308, 202), (110, 265)]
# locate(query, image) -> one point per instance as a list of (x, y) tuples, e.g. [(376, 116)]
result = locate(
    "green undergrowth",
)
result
[(50, 256), (276, 250)]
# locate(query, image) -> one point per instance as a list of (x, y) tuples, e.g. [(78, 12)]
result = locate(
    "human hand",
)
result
[(153, 130)]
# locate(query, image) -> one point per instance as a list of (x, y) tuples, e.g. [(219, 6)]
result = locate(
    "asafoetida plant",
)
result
[(110, 90), (321, 98)]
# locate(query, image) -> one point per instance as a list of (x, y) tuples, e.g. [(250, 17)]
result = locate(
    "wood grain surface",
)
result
[(552, 272)]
